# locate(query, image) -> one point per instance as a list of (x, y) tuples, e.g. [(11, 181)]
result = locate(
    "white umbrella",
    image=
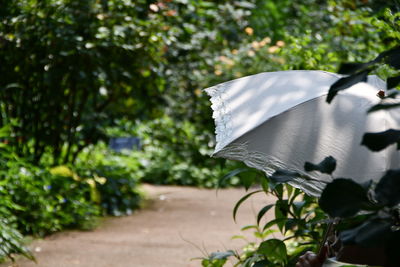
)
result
[(281, 119)]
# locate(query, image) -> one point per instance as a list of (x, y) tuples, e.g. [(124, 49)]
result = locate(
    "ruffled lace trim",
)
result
[(221, 115)]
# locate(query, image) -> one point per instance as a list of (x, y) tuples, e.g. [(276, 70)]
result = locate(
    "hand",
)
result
[(310, 259)]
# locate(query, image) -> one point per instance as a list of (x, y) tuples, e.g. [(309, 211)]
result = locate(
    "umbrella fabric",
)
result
[(281, 120)]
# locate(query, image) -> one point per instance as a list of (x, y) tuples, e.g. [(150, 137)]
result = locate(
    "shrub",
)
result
[(114, 179), (297, 218), (173, 152)]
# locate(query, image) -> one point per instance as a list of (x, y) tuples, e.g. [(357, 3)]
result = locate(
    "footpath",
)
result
[(179, 224)]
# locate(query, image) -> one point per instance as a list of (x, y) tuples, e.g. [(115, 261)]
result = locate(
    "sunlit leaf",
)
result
[(274, 250)]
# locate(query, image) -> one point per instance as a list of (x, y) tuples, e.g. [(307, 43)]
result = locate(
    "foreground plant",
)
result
[(297, 219)]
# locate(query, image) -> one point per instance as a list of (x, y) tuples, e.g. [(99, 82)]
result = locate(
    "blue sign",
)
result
[(119, 143)]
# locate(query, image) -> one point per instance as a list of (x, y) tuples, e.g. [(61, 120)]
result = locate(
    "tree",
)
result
[(67, 65)]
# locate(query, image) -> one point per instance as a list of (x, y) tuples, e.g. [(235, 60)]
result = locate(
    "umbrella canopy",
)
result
[(281, 120)]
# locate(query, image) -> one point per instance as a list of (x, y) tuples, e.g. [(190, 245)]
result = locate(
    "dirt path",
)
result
[(155, 236)]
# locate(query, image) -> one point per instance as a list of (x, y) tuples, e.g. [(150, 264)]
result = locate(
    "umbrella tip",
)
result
[(381, 94)]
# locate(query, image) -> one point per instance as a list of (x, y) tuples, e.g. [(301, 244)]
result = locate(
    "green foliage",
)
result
[(69, 65), (70, 68), (112, 177), (339, 36), (39, 201), (43, 202), (176, 152), (297, 218), (369, 213), (12, 242)]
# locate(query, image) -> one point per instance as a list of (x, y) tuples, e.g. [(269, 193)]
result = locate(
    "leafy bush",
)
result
[(114, 179), (297, 218), (39, 200), (46, 203), (67, 66), (173, 152), (12, 241)]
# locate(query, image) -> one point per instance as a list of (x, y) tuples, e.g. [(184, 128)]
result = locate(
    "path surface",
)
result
[(156, 236)]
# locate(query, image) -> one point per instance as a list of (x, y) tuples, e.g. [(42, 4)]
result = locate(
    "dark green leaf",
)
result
[(263, 211), (290, 224), (345, 83), (278, 190), (274, 222), (328, 165), (281, 211), (387, 54), (371, 233), (248, 178), (298, 207), (351, 68), (392, 82), (232, 174), (380, 140), (392, 57), (241, 201), (283, 176), (274, 250), (387, 191), (263, 263), (343, 198), (265, 184), (393, 248)]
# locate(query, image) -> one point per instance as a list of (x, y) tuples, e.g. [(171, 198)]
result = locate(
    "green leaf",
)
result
[(13, 85), (265, 184), (380, 140), (343, 198), (392, 82), (281, 211), (372, 232), (247, 227), (248, 178), (274, 250), (238, 237), (263, 211), (387, 191), (351, 68), (233, 173), (392, 57), (328, 165), (263, 263), (235, 209), (274, 222), (346, 82)]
